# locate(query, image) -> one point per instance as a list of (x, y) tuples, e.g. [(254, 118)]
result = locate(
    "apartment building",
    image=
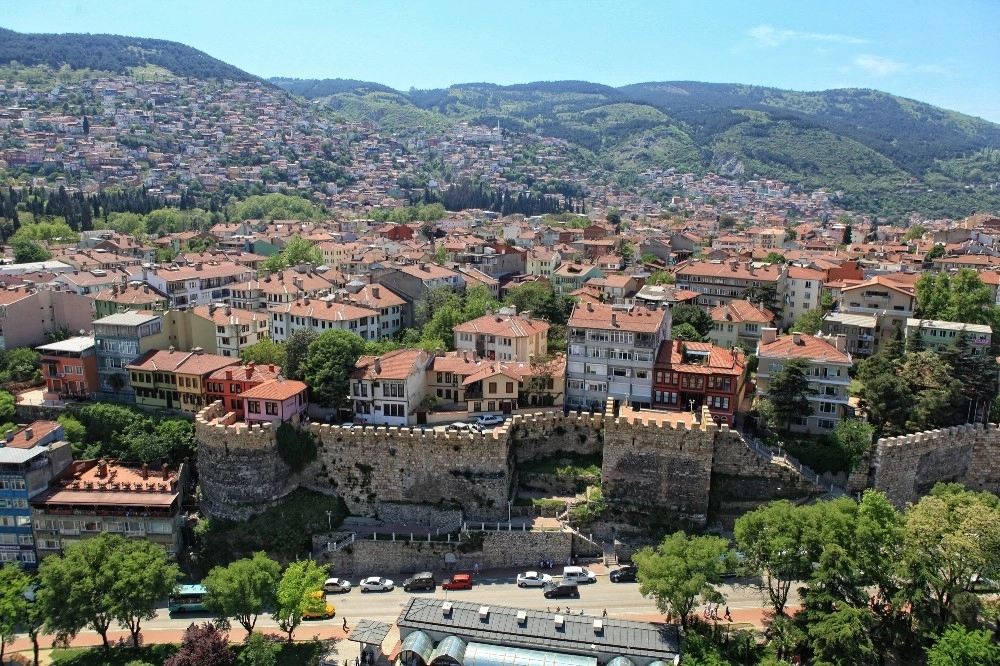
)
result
[(27, 314), (542, 261), (281, 287), (119, 340), (133, 297), (235, 328), (890, 300), (171, 379), (29, 459), (938, 335), (321, 316), (859, 329), (200, 283), (94, 496), (739, 324), (69, 368), (720, 282), (611, 352), (412, 282), (828, 366), (392, 307), (503, 336), (568, 277), (803, 289)]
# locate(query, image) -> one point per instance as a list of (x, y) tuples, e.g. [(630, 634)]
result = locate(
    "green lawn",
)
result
[(305, 653)]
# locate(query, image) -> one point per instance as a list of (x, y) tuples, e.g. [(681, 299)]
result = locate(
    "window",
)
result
[(641, 374), (253, 406), (826, 424), (493, 388), (828, 408), (510, 387), (271, 408), (394, 409)]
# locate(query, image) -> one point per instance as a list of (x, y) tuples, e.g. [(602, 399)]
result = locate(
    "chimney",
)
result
[(145, 471), (378, 366), (229, 374), (102, 469), (768, 335), (590, 306), (375, 292), (733, 265), (145, 289), (270, 367), (465, 355), (249, 369), (329, 302), (797, 338), (228, 311), (29, 433), (306, 300), (614, 319), (198, 266), (10, 436), (165, 471), (840, 342)]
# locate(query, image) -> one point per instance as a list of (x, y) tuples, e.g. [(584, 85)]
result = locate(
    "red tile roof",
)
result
[(635, 319), (275, 389), (809, 347)]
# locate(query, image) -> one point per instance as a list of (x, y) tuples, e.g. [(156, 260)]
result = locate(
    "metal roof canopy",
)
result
[(369, 632), (480, 654), (641, 641)]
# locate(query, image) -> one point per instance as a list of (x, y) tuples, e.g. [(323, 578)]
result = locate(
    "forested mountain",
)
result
[(113, 53), (886, 153)]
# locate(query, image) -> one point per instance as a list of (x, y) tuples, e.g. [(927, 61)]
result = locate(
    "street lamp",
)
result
[(329, 520), (509, 505), (691, 405)]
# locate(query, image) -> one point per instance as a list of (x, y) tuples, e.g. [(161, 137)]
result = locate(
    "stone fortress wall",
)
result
[(683, 469)]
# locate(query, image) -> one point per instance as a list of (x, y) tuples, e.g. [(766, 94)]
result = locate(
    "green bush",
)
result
[(296, 447)]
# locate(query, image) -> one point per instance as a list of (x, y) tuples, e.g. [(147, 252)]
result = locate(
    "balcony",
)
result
[(474, 394), (866, 338), (646, 341)]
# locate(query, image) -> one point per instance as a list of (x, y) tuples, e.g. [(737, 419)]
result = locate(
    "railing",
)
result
[(767, 453), (342, 543), (454, 526), (507, 527)]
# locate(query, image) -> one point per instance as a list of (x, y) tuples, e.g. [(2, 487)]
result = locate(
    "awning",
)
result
[(480, 654), (451, 649), (417, 644), (621, 661), (369, 632)]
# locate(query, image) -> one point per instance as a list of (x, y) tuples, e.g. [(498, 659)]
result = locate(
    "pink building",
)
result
[(275, 401)]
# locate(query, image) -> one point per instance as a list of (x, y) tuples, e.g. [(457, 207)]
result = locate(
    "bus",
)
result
[(187, 599)]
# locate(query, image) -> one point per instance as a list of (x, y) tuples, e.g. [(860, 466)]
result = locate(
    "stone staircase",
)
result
[(764, 452), (610, 555)]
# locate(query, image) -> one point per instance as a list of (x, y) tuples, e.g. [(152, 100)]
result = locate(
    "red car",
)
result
[(458, 582)]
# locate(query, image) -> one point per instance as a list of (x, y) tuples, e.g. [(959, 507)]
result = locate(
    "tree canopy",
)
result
[(328, 364), (788, 392), (242, 590), (294, 595), (694, 315)]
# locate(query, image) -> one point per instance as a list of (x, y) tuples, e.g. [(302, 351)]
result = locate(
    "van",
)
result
[(421, 581), (579, 575)]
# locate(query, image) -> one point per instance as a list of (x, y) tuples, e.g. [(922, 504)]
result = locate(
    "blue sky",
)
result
[(944, 52)]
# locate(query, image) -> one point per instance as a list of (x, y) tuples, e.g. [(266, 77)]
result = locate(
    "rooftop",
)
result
[(77, 344), (610, 317)]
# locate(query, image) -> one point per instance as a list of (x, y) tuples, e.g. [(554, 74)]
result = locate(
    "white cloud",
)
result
[(878, 65), (769, 36)]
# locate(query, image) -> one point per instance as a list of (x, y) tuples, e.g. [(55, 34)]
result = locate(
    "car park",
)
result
[(421, 581), (377, 584), (489, 420), (625, 574), (579, 575), (458, 582), (337, 585), (533, 579), (563, 588)]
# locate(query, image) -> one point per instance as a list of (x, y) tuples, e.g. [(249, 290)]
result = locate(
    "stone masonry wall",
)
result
[(907, 467), (241, 471), (552, 433), (498, 549), (418, 514)]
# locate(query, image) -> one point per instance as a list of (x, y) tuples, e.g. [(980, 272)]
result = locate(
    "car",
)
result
[(533, 579), (376, 584), (420, 581), (337, 585), (625, 574), (579, 575), (458, 582), (322, 610), (563, 588), (461, 426), (489, 420)]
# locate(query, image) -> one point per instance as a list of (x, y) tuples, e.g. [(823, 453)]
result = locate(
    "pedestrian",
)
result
[(557, 608), (548, 609), (568, 611), (345, 624), (605, 613), (728, 616)]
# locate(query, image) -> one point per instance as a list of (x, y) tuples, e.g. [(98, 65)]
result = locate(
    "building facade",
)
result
[(69, 368), (119, 340), (690, 375)]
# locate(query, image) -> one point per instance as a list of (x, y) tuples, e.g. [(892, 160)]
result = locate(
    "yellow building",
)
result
[(504, 337), (173, 379)]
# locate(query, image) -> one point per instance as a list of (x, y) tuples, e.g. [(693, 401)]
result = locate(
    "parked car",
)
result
[(421, 581), (458, 582), (322, 611), (489, 420), (377, 584), (533, 579), (563, 588), (461, 426), (336, 585), (579, 575), (625, 574)]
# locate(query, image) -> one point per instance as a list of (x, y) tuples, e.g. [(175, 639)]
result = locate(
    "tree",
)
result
[(774, 258), (682, 570), (77, 589), (810, 322), (660, 277), (694, 315), (624, 249), (778, 542), (13, 604), (300, 251), (614, 217), (296, 351), (960, 647), (937, 392), (328, 365), (258, 651), (886, 400), (265, 352), (27, 251), (541, 301), (788, 392), (243, 590), (935, 252), (914, 232), (962, 297), (142, 578), (843, 638), (7, 407), (854, 438), (848, 232), (203, 645), (294, 594), (685, 332)]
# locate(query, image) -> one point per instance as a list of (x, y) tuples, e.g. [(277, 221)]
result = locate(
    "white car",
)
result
[(533, 579), (335, 585), (489, 420), (376, 584)]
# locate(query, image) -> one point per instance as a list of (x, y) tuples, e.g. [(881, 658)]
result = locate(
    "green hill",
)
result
[(113, 53), (887, 154)]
